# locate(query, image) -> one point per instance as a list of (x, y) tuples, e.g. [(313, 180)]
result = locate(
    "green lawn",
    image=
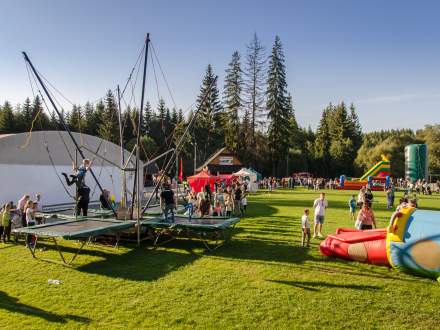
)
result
[(262, 279)]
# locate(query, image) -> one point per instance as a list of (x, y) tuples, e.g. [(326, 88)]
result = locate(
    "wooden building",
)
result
[(223, 161)]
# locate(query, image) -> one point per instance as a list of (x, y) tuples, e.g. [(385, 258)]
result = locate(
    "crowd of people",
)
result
[(360, 211), (318, 183), (22, 214), (222, 201)]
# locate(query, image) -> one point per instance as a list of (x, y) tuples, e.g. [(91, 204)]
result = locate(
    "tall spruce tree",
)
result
[(208, 124), (341, 147), (76, 119), (277, 106), (323, 142), (254, 83), (7, 122), (108, 128), (91, 121), (26, 114), (37, 113), (148, 117), (355, 128), (232, 102)]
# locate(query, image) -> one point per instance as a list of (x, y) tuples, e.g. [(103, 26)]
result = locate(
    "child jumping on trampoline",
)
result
[(80, 173)]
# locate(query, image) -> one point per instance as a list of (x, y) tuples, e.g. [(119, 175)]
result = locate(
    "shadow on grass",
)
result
[(12, 304), (315, 286), (140, 264)]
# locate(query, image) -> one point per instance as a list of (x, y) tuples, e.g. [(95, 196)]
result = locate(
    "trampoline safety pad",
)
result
[(83, 228), (211, 231)]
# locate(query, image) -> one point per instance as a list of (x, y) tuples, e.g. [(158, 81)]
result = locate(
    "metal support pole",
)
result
[(121, 141), (136, 178), (195, 156), (63, 122)]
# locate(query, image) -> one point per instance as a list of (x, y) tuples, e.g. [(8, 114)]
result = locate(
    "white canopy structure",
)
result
[(37, 166), (250, 177)]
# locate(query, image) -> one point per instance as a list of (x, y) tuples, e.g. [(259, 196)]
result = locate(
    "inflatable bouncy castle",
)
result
[(377, 177), (411, 243)]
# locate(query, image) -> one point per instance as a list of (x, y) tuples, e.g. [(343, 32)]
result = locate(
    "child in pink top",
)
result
[(366, 217)]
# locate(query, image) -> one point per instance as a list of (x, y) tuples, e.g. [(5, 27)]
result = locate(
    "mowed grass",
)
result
[(261, 279)]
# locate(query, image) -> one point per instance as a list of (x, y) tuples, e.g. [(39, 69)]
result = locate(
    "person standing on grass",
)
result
[(5, 219), (366, 218), (352, 206), (305, 228), (167, 202), (237, 201), (319, 205)]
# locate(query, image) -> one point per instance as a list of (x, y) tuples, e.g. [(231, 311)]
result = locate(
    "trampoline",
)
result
[(68, 214), (213, 232), (155, 210), (83, 230)]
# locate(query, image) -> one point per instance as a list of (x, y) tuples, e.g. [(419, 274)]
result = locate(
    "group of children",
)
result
[(365, 218), (222, 203), (21, 215)]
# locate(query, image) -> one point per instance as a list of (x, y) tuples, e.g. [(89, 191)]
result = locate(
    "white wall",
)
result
[(17, 180)]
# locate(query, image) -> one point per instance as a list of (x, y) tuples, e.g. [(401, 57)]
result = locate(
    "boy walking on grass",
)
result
[(305, 228), (319, 205), (352, 206)]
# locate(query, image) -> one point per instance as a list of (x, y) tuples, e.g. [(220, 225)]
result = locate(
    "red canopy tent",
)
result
[(227, 178), (200, 180)]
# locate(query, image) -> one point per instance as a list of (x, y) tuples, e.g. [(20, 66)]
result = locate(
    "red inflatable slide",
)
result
[(360, 245)]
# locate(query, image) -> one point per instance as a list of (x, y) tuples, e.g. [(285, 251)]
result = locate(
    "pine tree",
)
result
[(245, 135), (174, 117), (53, 121), (108, 128), (7, 123), (75, 119), (26, 112), (129, 124), (180, 117), (18, 119), (232, 102), (148, 117), (208, 124), (323, 142), (254, 83), (355, 128), (90, 126), (37, 113), (168, 125), (277, 105), (158, 127)]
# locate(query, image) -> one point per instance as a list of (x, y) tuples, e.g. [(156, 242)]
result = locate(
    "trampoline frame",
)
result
[(206, 233), (84, 236)]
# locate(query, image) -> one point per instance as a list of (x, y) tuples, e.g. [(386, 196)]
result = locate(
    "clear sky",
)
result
[(382, 55)]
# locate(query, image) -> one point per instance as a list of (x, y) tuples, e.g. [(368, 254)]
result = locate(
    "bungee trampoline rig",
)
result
[(213, 232)]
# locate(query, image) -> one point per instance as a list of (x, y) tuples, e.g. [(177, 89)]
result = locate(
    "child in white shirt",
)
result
[(305, 228), (243, 205)]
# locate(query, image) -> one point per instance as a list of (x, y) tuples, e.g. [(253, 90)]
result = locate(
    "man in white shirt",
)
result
[(319, 205)]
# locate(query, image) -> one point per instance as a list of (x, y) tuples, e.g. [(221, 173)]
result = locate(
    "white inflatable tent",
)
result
[(37, 167), (252, 182)]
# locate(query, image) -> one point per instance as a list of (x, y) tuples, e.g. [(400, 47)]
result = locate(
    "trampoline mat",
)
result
[(156, 210), (199, 223), (77, 229)]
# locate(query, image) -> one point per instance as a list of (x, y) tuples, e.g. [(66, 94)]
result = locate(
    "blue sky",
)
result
[(381, 55)]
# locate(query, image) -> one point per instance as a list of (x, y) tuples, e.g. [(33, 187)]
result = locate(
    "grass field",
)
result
[(262, 279)]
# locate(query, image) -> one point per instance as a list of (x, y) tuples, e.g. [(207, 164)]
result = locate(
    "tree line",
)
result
[(253, 116)]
